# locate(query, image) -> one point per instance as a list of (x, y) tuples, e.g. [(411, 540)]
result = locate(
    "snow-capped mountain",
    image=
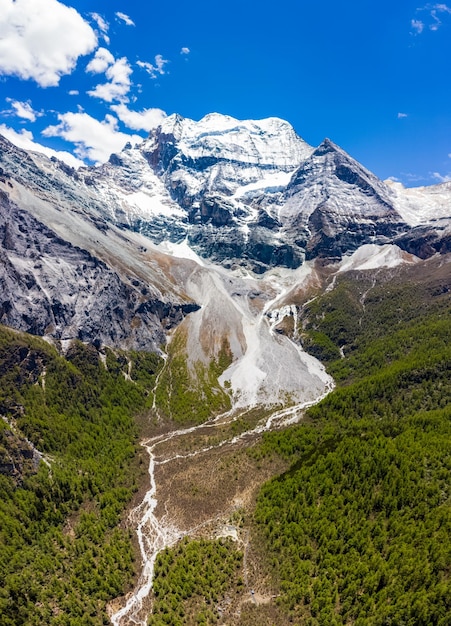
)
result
[(250, 193), (118, 254), (67, 273)]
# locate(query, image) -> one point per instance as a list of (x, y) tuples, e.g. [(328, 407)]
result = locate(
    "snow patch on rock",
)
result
[(372, 256)]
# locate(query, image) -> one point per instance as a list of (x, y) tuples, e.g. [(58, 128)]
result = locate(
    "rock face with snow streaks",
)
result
[(50, 287), (250, 193), (77, 248), (339, 203)]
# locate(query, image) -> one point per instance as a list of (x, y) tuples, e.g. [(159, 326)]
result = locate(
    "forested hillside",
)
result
[(357, 531), (62, 553)]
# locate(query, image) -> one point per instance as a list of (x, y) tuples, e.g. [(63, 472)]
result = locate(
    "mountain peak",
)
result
[(327, 146), (244, 192)]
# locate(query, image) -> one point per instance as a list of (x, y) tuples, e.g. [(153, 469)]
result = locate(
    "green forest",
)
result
[(63, 555), (357, 530), (191, 581)]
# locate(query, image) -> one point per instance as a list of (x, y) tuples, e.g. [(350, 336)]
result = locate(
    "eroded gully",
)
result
[(155, 533)]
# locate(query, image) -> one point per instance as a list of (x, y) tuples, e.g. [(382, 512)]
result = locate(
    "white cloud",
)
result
[(24, 110), (125, 18), (74, 92), (441, 178), (417, 26), (25, 140), (434, 22), (413, 178), (139, 120), (101, 61), (437, 23), (154, 70), (117, 89), (185, 51), (42, 40), (102, 25), (94, 140), (402, 116)]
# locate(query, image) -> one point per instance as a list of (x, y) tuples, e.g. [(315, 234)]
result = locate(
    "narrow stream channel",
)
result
[(155, 534)]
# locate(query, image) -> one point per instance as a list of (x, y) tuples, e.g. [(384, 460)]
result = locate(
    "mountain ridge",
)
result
[(247, 196)]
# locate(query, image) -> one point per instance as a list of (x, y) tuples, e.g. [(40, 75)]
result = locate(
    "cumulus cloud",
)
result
[(154, 70), (125, 18), (94, 140), (101, 61), (74, 92), (185, 51), (42, 40), (139, 120), (402, 116), (23, 110), (119, 83), (432, 19), (25, 140)]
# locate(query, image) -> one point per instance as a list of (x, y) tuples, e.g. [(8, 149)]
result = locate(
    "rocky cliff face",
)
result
[(339, 203), (76, 258), (253, 193), (51, 288)]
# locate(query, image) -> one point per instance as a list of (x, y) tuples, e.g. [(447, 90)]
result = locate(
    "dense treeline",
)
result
[(357, 531), (191, 581), (62, 555), (359, 528)]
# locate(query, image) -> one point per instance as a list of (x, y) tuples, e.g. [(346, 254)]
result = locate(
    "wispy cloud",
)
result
[(442, 178), (125, 18), (402, 115), (431, 19), (185, 50), (413, 178), (94, 140), (42, 40), (417, 26), (102, 25), (154, 70)]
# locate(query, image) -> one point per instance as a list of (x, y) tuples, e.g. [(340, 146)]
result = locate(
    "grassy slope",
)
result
[(62, 553), (191, 395)]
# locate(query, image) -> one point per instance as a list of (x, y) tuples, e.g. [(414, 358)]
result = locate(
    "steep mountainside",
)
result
[(50, 287), (77, 260), (218, 275), (248, 193)]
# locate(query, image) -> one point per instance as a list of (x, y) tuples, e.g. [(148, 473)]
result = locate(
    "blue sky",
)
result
[(83, 77)]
